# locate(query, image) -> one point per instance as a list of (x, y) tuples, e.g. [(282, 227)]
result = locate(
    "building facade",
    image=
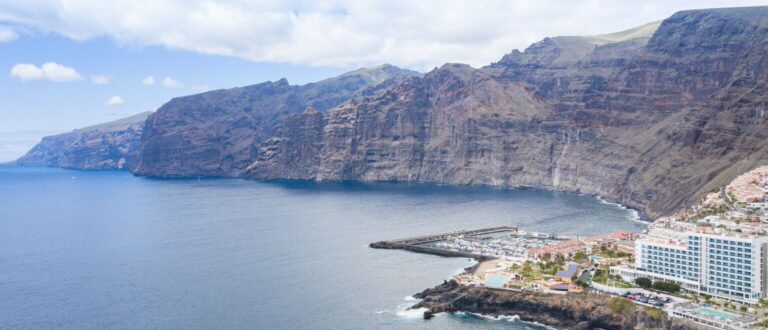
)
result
[(728, 266)]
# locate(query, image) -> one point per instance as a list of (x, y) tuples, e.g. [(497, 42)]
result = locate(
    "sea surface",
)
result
[(107, 250)]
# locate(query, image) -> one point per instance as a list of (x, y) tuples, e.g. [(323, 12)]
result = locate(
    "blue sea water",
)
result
[(107, 250)]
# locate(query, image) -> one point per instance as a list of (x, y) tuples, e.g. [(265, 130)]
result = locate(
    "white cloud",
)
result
[(7, 34), (171, 83), (101, 80), (57, 72), (148, 81), (417, 34), (26, 72), (115, 101), (50, 71)]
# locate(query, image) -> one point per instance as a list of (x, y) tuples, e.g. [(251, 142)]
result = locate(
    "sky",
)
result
[(75, 63)]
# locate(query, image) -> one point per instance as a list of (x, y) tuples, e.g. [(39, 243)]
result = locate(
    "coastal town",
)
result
[(705, 264)]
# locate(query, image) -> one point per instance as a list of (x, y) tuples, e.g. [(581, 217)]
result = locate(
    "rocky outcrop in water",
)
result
[(218, 133), (571, 311), (651, 117), (113, 145)]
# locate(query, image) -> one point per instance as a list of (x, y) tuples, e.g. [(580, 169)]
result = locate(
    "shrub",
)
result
[(666, 286), (643, 282), (654, 313), (621, 305)]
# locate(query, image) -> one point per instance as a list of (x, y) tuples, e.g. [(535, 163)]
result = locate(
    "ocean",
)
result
[(107, 250)]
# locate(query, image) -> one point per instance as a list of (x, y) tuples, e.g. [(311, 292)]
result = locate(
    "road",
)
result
[(727, 199)]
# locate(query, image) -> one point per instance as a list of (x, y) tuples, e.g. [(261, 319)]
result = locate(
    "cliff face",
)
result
[(113, 145), (218, 133), (651, 117)]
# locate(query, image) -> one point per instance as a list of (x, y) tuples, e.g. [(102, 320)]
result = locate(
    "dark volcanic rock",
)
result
[(572, 311), (113, 145), (652, 117), (218, 133)]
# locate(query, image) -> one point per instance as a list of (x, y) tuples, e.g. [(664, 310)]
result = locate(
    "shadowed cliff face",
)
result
[(113, 145), (651, 121), (218, 133)]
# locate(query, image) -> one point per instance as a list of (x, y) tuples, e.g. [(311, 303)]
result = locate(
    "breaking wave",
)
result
[(633, 214)]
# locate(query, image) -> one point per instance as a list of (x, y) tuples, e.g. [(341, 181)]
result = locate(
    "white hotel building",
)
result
[(702, 260)]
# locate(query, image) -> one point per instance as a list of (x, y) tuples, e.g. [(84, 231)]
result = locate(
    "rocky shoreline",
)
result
[(571, 311)]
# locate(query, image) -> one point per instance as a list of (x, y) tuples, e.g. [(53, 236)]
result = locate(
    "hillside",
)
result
[(112, 145), (653, 117), (218, 133), (652, 121)]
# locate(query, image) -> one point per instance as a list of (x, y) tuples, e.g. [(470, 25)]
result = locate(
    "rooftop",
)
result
[(568, 271)]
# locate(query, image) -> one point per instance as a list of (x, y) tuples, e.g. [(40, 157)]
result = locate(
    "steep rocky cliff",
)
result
[(218, 133), (651, 117), (113, 145)]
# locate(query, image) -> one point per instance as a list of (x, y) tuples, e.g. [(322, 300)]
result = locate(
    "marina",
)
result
[(487, 243)]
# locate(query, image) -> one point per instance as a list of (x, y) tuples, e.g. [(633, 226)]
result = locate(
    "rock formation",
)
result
[(651, 117), (113, 145), (218, 133), (572, 311)]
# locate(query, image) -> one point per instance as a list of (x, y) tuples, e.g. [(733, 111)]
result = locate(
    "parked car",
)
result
[(626, 294), (631, 297)]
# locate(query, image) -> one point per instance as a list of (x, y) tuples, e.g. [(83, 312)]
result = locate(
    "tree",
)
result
[(644, 282), (667, 286), (527, 269), (580, 256)]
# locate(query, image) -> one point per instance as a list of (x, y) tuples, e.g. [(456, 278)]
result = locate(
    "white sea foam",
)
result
[(412, 313), (633, 214), (502, 318), (404, 311)]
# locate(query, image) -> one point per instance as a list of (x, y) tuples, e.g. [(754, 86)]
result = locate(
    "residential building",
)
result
[(626, 246), (566, 274), (707, 261)]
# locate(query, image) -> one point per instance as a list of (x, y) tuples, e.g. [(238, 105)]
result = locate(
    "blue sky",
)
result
[(35, 108), (100, 52)]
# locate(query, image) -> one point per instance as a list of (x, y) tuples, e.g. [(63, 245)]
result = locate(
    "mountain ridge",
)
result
[(111, 145), (641, 121), (651, 117)]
